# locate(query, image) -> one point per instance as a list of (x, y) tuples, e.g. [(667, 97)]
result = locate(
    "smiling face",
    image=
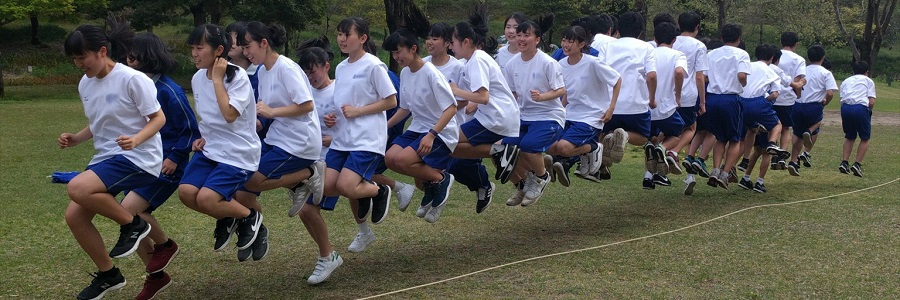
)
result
[(351, 41), (236, 51), (571, 46), (462, 49), (205, 55), (404, 55), (526, 40), (510, 30), (90, 62), (436, 46), (255, 51), (318, 76)]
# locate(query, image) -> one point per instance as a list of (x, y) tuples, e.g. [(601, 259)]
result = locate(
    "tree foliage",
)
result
[(11, 10)]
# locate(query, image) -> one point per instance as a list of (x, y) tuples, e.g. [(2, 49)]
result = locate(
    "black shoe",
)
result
[(248, 229), (442, 190), (856, 169), (506, 162), (485, 195), (102, 284), (742, 166), (805, 160), (130, 236), (732, 177), (661, 180), (700, 167), (759, 188), (365, 207), (244, 255), (688, 166), (604, 173), (793, 168), (561, 173), (776, 151), (261, 245), (649, 151), (648, 184), (224, 228), (844, 167), (745, 184), (381, 203)]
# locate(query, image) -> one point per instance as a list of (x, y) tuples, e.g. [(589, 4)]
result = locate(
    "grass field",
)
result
[(844, 247)]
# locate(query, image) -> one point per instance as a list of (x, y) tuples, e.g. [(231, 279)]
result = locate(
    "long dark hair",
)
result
[(90, 38), (577, 33), (152, 54), (214, 36), (476, 30)]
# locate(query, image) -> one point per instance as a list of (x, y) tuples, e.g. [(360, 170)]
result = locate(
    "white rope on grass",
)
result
[(629, 240)]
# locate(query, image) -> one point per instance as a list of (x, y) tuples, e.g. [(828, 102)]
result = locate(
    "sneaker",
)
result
[(518, 195), (248, 229), (161, 257), (781, 164), (535, 190), (365, 207), (659, 152), (298, 196), (700, 167), (793, 168), (672, 161), (102, 284), (361, 241), (485, 195), (844, 168), (244, 255), (732, 176), (661, 180), (223, 232), (603, 173), (759, 188), (688, 165), (745, 184), (856, 169), (689, 186), (807, 140), (606, 143), (422, 210), (324, 268), (662, 168), (583, 169), (805, 159), (712, 178), (723, 179), (261, 245), (617, 146), (130, 236), (152, 286), (591, 177), (776, 151), (506, 162), (441, 190), (560, 174), (316, 182), (548, 166), (648, 184), (404, 194), (381, 203), (742, 166), (595, 159), (433, 214), (649, 152)]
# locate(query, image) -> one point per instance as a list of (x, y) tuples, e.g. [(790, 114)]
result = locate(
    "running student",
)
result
[(857, 102), (794, 66), (588, 105), (228, 152), (360, 130), (124, 119), (808, 111), (496, 112), (693, 93), (149, 55), (423, 151), (671, 69)]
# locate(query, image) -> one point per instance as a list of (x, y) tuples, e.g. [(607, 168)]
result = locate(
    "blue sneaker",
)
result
[(700, 167), (688, 164), (441, 190)]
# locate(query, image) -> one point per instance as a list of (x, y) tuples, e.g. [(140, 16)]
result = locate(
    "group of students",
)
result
[(268, 122)]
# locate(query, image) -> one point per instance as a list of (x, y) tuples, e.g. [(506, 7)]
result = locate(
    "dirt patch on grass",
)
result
[(833, 117)]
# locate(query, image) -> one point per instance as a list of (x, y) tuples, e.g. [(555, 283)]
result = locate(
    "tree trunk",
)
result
[(199, 14), (850, 40), (35, 40), (215, 12), (722, 5), (2, 91)]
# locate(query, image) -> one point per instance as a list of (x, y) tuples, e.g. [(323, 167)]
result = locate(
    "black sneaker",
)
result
[(700, 167), (224, 229), (844, 167), (130, 236), (604, 174), (648, 184), (442, 190), (506, 162), (102, 284), (381, 203), (561, 173), (649, 151), (856, 169), (661, 180), (782, 164), (687, 163), (793, 168), (742, 166), (732, 177), (248, 229), (759, 188), (261, 245), (244, 255), (365, 207), (776, 151), (485, 195), (745, 184), (805, 160)]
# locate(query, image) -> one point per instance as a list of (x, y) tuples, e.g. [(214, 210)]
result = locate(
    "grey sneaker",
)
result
[(404, 193), (316, 182), (518, 194)]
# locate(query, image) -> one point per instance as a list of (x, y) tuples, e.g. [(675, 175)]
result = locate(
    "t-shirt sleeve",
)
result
[(744, 63), (681, 62), (870, 88), (382, 82), (650, 60), (478, 75), (554, 75), (240, 93), (143, 93), (702, 62), (830, 84), (800, 70), (605, 73), (442, 92), (296, 86)]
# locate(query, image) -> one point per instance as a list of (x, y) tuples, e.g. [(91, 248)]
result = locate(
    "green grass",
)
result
[(836, 248)]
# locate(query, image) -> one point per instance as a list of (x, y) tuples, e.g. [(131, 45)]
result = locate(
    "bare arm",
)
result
[(550, 95), (701, 92), (399, 115), (829, 94), (481, 96), (679, 83), (291, 110), (157, 120), (71, 140), (218, 77), (651, 86), (612, 103), (742, 78), (376, 107)]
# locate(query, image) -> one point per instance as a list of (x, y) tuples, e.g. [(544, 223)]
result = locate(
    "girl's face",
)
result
[(571, 46), (255, 51), (236, 51), (132, 62), (527, 40), (205, 55), (461, 49), (436, 45), (404, 55), (510, 30), (318, 75), (90, 62), (351, 41)]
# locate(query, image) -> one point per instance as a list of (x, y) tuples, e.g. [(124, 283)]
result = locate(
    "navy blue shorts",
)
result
[(856, 120), (761, 140), (160, 190), (689, 114), (361, 162), (536, 136), (275, 162), (758, 111), (671, 126), (327, 203), (784, 113), (477, 134), (637, 123), (223, 179), (579, 133), (120, 174), (724, 117), (438, 158), (806, 115)]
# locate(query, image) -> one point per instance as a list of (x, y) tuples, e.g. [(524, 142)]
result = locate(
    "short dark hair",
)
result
[(789, 39), (859, 67), (525, 26), (815, 53), (714, 44), (765, 52), (151, 54), (401, 38), (314, 52), (688, 21), (604, 23), (665, 33), (588, 23), (776, 57), (631, 24), (579, 34), (90, 38), (731, 33), (214, 36), (663, 17)]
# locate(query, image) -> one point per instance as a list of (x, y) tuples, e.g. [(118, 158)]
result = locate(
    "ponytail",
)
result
[(117, 39), (214, 36), (273, 33)]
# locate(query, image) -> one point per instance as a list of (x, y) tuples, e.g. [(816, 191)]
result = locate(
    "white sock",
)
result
[(364, 227), (759, 180), (497, 148), (747, 177), (690, 177), (647, 175)]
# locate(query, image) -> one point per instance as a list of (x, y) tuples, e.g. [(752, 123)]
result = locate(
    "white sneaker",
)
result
[(404, 194), (298, 197), (316, 182), (607, 143), (595, 159), (422, 211), (690, 183), (324, 267), (361, 241), (618, 141), (583, 166), (434, 214), (517, 196), (534, 190), (548, 166)]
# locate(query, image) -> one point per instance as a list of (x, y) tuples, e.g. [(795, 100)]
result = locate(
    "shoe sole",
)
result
[(319, 185), (759, 191), (112, 288), (265, 251), (231, 230), (689, 189), (805, 161), (745, 187), (161, 289), (366, 216), (167, 263), (387, 205), (561, 175), (807, 140), (674, 166), (856, 173), (489, 200), (699, 170), (446, 193), (712, 182), (548, 166), (659, 183), (793, 171), (340, 262), (255, 233), (688, 167), (843, 170), (618, 145), (136, 243), (508, 170)]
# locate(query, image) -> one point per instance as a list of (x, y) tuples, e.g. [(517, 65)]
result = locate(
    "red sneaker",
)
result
[(161, 258), (153, 286)]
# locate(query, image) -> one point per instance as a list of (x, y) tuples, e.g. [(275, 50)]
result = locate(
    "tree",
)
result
[(294, 15), (12, 10), (878, 18)]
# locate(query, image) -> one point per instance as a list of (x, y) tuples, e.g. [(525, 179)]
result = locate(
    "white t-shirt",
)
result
[(857, 89), (451, 71), (793, 65), (600, 40), (503, 56), (587, 89), (633, 59), (540, 73), (362, 83), (235, 143), (818, 81), (695, 52), (324, 100), (724, 65), (429, 95), (761, 81), (501, 114), (285, 84), (667, 61), (118, 104)]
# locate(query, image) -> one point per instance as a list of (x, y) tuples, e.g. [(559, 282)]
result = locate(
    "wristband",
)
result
[(431, 131)]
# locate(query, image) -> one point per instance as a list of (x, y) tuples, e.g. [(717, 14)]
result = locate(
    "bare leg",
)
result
[(848, 148), (312, 219), (79, 220), (89, 192), (861, 151)]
